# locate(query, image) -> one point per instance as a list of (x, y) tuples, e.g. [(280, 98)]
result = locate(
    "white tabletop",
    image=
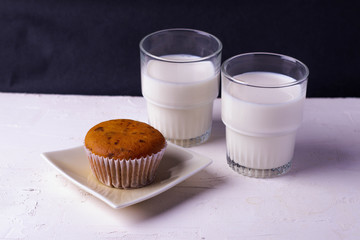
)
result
[(318, 199)]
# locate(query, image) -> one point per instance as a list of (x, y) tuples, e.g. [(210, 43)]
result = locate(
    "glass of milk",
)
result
[(180, 74), (262, 103)]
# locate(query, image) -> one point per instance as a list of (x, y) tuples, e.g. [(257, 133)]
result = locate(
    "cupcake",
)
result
[(124, 153)]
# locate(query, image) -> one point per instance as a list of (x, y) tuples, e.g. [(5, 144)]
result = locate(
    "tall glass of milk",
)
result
[(180, 74), (262, 103)]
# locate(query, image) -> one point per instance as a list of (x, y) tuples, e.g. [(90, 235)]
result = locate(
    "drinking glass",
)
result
[(180, 74), (262, 105)]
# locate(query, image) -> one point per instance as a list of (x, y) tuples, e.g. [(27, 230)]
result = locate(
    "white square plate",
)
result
[(177, 165)]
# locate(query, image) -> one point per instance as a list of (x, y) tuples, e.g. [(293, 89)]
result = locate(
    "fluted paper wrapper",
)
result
[(125, 173)]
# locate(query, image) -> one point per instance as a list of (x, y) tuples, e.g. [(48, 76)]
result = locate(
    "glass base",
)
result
[(191, 141), (258, 173)]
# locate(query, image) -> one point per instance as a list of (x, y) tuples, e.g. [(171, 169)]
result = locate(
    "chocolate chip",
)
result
[(99, 129), (142, 141), (110, 155)]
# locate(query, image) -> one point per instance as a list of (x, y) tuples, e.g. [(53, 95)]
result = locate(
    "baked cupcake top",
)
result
[(124, 139)]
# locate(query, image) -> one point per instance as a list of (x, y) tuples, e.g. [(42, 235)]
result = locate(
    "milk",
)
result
[(180, 95), (261, 122)]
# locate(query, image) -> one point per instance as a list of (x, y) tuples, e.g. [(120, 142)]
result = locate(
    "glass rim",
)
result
[(218, 50), (296, 82)]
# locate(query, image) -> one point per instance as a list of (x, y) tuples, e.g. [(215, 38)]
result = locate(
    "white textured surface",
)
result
[(318, 199)]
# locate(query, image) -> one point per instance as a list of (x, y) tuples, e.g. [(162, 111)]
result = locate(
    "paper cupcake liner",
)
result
[(125, 173)]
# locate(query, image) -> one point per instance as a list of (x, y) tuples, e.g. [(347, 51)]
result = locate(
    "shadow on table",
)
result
[(319, 156), (173, 198)]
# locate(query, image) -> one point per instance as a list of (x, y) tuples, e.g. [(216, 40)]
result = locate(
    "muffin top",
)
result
[(124, 139)]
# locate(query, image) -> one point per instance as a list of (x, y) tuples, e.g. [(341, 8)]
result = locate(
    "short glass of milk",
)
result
[(180, 78), (262, 105)]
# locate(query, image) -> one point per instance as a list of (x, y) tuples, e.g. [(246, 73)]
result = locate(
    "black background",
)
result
[(92, 47)]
